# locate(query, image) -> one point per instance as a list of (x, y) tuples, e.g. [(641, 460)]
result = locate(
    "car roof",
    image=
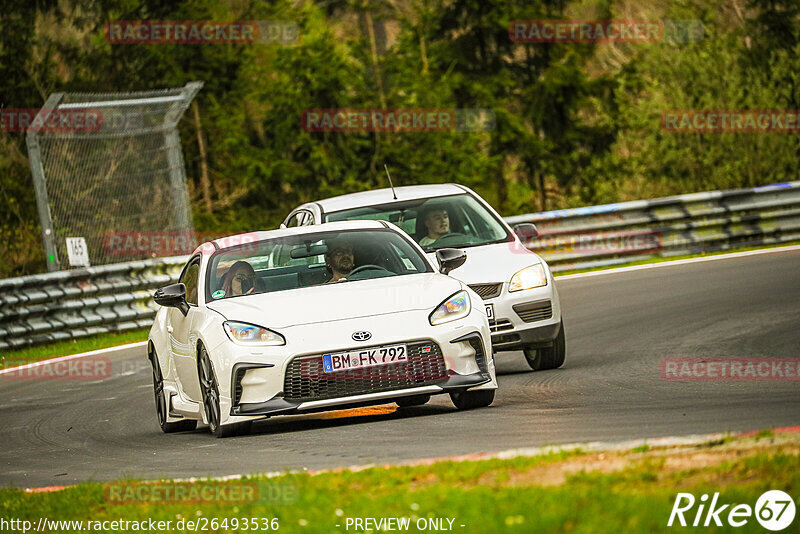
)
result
[(385, 196), (252, 237)]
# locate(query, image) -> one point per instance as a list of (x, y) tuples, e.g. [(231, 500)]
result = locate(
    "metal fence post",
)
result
[(177, 173), (40, 186)]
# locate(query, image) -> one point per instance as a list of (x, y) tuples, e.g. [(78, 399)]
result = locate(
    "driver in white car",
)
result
[(437, 221), (339, 260)]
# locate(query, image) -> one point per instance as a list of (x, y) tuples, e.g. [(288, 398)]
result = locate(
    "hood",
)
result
[(493, 263), (343, 300)]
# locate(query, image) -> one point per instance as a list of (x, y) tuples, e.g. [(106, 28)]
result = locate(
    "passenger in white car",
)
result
[(239, 280)]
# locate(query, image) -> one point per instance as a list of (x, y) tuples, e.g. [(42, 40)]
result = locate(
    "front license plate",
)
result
[(356, 359), (490, 312)]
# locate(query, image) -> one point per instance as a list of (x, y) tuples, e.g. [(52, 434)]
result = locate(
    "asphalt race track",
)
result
[(619, 327)]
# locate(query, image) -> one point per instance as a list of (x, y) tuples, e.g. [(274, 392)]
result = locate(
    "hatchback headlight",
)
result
[(528, 278), (455, 307), (250, 334)]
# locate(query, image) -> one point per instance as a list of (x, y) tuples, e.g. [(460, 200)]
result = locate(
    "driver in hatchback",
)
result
[(437, 222)]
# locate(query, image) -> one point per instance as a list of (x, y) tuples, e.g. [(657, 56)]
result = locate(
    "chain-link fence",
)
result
[(108, 165)]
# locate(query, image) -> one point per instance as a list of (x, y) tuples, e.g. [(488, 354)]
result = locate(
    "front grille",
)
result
[(305, 379), (501, 325), (534, 311), (487, 291)]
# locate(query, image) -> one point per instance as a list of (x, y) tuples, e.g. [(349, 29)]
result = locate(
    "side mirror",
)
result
[(449, 259), (526, 231), (172, 296), (283, 226)]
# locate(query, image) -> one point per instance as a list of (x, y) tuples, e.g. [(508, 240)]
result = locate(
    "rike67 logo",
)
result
[(774, 510)]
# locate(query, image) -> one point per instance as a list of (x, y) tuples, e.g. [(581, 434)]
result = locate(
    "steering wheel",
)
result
[(452, 236), (366, 268)]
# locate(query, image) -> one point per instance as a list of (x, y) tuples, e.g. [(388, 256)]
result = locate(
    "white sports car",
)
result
[(307, 319)]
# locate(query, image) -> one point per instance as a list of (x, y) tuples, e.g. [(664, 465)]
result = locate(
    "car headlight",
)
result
[(250, 334), (455, 307), (528, 278)]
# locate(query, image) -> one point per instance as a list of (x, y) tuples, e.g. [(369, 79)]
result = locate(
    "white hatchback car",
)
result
[(316, 318), (516, 284)]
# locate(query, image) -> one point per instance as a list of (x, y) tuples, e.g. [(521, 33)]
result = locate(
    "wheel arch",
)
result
[(219, 364), (154, 358), (158, 339)]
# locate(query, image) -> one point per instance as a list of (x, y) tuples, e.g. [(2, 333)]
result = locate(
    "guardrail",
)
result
[(71, 304), (613, 234)]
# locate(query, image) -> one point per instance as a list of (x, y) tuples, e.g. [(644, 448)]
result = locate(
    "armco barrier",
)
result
[(70, 304), (614, 234)]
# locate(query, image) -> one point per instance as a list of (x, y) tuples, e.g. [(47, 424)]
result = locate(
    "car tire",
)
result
[(467, 400), (209, 387), (548, 357), (161, 402), (416, 400), (234, 429)]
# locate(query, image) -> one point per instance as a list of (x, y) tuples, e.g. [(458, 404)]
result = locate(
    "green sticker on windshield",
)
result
[(218, 294)]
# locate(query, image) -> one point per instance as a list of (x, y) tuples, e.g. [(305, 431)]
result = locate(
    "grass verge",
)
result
[(588, 492), (12, 358)]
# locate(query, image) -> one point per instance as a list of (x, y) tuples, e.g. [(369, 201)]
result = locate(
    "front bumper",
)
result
[(529, 318), (281, 406), (258, 386)]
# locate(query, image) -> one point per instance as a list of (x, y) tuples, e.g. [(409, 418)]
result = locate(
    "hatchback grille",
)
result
[(487, 291), (501, 325), (305, 379), (534, 311), (503, 340)]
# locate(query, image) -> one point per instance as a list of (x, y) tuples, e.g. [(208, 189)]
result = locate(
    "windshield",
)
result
[(309, 260), (448, 221)]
